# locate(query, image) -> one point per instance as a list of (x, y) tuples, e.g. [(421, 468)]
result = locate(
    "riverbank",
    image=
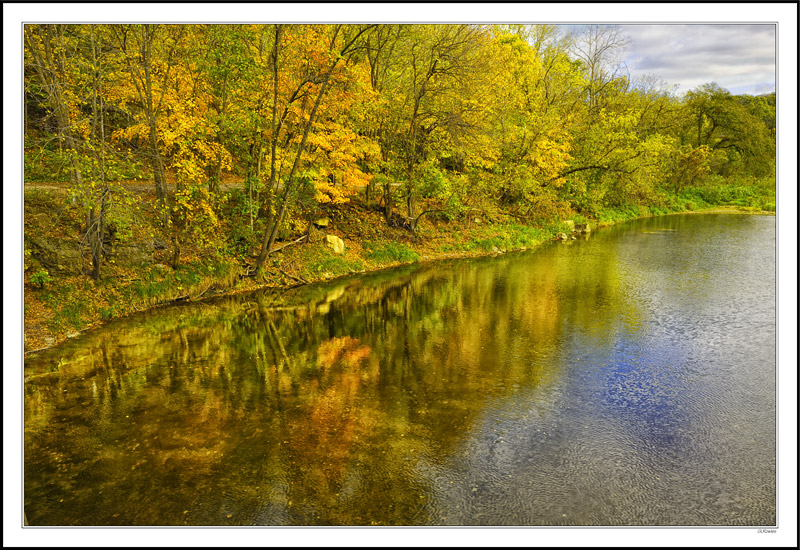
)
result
[(61, 301)]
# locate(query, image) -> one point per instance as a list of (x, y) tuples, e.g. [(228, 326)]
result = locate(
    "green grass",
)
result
[(317, 261), (505, 237), (389, 252), (70, 306)]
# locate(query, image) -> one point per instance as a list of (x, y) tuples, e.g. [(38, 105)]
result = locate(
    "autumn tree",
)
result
[(531, 118), (599, 49), (149, 54), (429, 78), (46, 50), (296, 99), (70, 61)]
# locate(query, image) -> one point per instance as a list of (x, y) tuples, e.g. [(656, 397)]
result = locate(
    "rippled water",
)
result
[(626, 379)]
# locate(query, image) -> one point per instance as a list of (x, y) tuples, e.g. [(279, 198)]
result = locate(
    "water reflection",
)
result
[(578, 384)]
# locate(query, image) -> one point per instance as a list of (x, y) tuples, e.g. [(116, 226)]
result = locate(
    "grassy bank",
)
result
[(59, 304)]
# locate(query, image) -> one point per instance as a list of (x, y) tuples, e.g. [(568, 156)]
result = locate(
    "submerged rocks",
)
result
[(582, 228)]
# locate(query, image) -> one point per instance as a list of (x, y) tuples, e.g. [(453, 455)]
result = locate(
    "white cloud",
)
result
[(740, 58)]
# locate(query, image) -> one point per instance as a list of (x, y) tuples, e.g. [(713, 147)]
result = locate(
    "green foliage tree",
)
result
[(740, 142)]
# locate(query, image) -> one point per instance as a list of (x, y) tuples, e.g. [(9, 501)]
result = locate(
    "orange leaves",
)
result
[(341, 350)]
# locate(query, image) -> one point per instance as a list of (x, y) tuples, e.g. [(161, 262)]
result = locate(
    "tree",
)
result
[(318, 67), (738, 140), (599, 49), (429, 78), (149, 53), (69, 61), (46, 49), (531, 118)]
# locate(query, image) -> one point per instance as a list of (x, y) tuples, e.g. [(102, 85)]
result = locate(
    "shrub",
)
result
[(41, 278)]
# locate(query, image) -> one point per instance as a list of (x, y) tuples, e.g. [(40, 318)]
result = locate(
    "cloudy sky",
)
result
[(740, 58)]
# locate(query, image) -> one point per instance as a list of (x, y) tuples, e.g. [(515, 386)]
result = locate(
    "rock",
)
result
[(57, 256), (562, 237), (570, 225), (49, 341), (134, 254), (42, 219), (315, 235), (160, 267), (322, 222), (582, 228), (335, 244)]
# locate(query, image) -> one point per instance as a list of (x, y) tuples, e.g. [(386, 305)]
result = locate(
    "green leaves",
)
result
[(41, 278)]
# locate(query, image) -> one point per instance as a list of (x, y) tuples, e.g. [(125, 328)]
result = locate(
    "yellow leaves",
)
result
[(348, 185), (134, 132), (193, 208)]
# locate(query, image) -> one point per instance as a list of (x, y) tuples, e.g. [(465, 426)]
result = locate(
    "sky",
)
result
[(740, 58)]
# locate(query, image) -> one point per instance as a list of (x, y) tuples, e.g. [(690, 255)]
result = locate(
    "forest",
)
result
[(171, 162)]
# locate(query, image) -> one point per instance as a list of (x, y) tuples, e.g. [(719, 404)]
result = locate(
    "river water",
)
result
[(627, 378)]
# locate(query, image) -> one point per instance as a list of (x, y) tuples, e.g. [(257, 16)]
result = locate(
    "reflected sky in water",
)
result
[(628, 379)]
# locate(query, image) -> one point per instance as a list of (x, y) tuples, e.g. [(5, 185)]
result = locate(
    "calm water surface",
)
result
[(626, 379)]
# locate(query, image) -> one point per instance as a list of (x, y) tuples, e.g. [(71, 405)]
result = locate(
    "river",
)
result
[(625, 378)]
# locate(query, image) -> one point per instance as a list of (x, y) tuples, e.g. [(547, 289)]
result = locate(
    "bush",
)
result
[(41, 278)]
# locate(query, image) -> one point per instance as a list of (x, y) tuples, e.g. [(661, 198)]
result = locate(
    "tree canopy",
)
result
[(424, 117)]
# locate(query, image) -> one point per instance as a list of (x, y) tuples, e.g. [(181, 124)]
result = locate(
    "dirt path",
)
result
[(136, 186)]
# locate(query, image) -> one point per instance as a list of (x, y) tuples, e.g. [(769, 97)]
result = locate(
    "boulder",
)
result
[(562, 237), (134, 254), (570, 225), (57, 256), (321, 223), (335, 244), (582, 228), (41, 219)]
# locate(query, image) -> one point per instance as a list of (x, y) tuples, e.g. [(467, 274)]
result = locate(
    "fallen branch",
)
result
[(302, 238), (290, 276)]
